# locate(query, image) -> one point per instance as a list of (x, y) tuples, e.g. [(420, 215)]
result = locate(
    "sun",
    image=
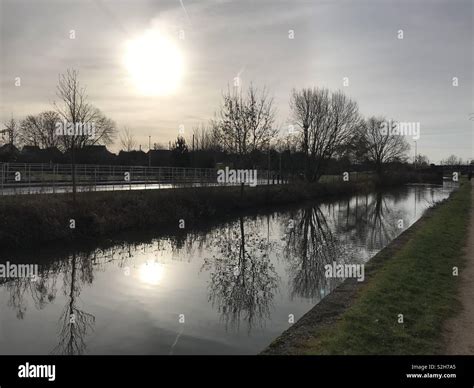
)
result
[(154, 63)]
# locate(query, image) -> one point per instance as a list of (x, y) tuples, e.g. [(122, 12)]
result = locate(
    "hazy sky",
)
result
[(409, 79)]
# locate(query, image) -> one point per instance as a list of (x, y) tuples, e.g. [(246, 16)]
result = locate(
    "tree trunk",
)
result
[(73, 161)]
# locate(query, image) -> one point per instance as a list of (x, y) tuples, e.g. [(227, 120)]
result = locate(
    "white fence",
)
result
[(36, 178)]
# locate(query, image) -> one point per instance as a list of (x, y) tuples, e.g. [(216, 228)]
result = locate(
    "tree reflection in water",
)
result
[(310, 245), (318, 235), (74, 322), (382, 221), (243, 279), (369, 222), (42, 291)]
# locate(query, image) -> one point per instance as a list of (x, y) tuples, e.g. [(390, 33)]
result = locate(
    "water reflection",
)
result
[(244, 276), (17, 288), (151, 272), (310, 245), (371, 221), (384, 223), (75, 323), (242, 280)]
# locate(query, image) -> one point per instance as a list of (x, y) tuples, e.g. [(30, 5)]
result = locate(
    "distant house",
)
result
[(9, 153), (30, 154), (132, 158), (30, 149), (35, 154), (92, 154), (52, 155), (160, 157)]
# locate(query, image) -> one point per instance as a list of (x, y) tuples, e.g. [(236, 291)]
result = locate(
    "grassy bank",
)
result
[(416, 281), (30, 220)]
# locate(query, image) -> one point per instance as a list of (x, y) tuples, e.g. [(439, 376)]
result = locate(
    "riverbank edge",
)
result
[(29, 221), (327, 313), (33, 220)]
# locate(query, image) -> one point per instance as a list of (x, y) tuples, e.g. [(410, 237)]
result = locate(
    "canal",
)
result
[(230, 288)]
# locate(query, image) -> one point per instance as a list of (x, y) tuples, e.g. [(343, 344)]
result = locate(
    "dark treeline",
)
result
[(275, 160), (326, 134)]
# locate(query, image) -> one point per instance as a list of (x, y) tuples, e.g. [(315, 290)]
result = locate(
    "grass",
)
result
[(417, 282)]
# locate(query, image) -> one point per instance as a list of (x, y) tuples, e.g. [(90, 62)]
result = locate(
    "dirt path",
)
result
[(460, 329)]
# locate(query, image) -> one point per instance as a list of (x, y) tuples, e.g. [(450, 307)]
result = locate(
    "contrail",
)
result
[(176, 340), (241, 71), (185, 12)]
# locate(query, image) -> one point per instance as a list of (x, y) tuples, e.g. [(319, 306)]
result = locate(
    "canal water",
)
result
[(227, 289)]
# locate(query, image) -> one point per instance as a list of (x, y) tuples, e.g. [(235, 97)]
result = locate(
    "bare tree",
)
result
[(77, 112), (40, 130), (243, 280), (326, 122), (180, 152), (381, 144), (452, 160), (311, 244), (206, 138), (288, 142), (75, 323), (421, 160), (127, 140), (244, 123), (10, 131)]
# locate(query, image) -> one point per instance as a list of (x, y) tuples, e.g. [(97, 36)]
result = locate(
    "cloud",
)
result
[(409, 79)]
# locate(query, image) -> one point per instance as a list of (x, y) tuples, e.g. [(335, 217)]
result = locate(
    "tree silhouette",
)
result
[(310, 245), (179, 153), (243, 279)]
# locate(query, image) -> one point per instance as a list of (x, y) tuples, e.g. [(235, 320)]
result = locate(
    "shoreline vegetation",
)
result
[(30, 220), (413, 276)]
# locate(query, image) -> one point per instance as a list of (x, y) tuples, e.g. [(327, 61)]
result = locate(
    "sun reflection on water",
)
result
[(151, 272)]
